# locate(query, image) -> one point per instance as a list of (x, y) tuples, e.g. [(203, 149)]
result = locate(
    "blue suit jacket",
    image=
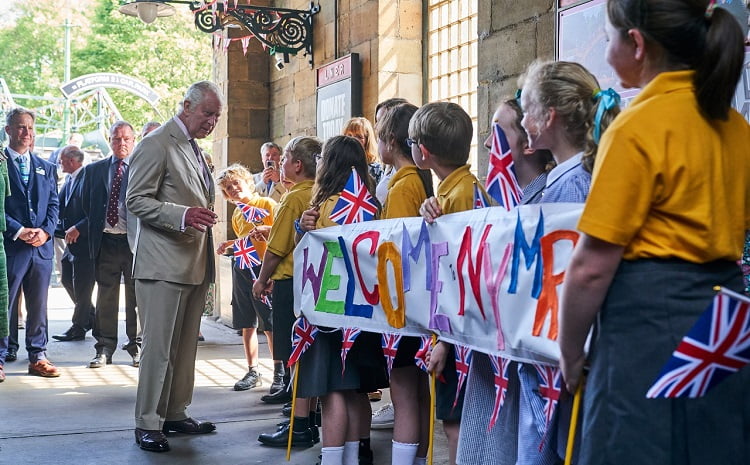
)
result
[(35, 206), (72, 214)]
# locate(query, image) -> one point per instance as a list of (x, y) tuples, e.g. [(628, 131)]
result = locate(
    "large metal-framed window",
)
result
[(452, 57)]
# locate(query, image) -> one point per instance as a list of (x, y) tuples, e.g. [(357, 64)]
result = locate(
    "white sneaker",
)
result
[(382, 418)]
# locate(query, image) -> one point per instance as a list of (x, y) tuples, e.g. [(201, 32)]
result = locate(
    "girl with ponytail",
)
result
[(664, 223)]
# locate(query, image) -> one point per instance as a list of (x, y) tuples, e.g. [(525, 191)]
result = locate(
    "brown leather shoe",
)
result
[(43, 368), (2, 374)]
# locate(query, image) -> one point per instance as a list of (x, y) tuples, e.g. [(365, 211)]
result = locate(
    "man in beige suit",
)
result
[(171, 192)]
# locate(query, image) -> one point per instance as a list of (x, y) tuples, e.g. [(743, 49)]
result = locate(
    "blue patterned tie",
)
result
[(23, 167)]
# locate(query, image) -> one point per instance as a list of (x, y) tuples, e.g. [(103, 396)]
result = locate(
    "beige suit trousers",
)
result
[(170, 315)]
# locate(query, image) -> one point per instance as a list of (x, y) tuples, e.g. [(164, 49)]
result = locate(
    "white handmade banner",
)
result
[(488, 279)]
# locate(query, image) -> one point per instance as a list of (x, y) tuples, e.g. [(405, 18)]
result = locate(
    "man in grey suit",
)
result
[(268, 182), (171, 192)]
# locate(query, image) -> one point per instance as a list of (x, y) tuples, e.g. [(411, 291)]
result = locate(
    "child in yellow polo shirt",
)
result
[(440, 136), (237, 185), (297, 167)]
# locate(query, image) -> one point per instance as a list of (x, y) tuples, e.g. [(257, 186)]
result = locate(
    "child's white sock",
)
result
[(332, 455), (403, 454), (351, 453)]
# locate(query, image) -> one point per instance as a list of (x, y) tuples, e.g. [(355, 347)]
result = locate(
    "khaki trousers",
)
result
[(170, 315)]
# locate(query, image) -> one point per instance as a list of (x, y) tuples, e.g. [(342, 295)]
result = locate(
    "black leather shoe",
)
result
[(189, 426), (286, 410), (100, 360), (72, 334), (11, 356), (151, 440), (280, 437), (280, 397)]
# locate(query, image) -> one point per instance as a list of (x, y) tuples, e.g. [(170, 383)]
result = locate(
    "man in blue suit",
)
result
[(103, 198), (77, 268), (31, 217)]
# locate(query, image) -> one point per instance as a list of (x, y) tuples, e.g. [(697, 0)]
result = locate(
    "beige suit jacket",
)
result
[(165, 179)]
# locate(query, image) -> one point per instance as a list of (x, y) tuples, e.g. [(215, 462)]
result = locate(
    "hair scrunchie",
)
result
[(608, 99)]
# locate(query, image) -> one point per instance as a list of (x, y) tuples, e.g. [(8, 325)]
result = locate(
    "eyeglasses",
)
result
[(318, 157), (411, 142)]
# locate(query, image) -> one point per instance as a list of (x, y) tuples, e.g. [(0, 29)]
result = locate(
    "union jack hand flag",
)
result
[(480, 201), (716, 346), (550, 384), (348, 336), (390, 347), (303, 335), (500, 367), (502, 184), (355, 203), (463, 361), (252, 214), (245, 253)]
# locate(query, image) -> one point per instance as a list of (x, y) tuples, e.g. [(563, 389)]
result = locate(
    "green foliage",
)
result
[(167, 55)]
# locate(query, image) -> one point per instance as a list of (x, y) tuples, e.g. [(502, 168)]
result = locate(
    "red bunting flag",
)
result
[(348, 336), (390, 347), (500, 367)]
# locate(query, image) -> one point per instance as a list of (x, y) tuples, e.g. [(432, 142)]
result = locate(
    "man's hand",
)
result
[(200, 218), (430, 210), (71, 235), (309, 219), (35, 237), (271, 174)]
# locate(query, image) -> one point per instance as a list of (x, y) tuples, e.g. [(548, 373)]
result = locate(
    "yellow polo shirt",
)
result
[(668, 183), (242, 227), (456, 192), (281, 239), (405, 194)]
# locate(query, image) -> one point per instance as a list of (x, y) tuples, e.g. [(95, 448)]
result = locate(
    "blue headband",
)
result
[(608, 99)]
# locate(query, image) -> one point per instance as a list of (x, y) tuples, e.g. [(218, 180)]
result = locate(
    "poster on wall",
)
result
[(339, 95), (581, 38)]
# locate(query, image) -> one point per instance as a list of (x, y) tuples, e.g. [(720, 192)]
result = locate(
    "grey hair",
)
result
[(148, 127), (117, 125), (268, 146), (197, 92), (72, 151), (16, 112)]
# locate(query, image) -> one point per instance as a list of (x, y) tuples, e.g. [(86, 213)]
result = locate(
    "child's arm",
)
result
[(437, 357), (263, 284), (430, 210)]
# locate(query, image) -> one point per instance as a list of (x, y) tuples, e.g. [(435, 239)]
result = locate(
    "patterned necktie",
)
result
[(204, 168), (23, 167), (114, 196)]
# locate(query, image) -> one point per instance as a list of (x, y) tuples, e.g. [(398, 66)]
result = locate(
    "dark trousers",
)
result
[(32, 274), (77, 276), (114, 264)]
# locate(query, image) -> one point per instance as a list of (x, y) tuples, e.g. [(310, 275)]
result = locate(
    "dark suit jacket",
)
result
[(35, 206), (72, 214)]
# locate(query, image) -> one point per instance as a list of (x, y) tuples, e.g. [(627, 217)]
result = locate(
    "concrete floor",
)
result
[(86, 415)]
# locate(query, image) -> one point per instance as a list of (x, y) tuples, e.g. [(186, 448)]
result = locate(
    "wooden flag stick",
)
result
[(430, 444), (573, 423), (291, 417)]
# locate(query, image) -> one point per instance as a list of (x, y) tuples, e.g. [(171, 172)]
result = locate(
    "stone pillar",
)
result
[(512, 34)]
